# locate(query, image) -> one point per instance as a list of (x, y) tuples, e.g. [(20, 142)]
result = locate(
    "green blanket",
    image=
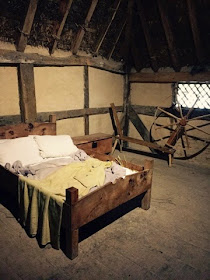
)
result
[(41, 201)]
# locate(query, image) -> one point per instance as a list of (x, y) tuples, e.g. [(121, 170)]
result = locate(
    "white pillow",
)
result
[(55, 145), (24, 149)]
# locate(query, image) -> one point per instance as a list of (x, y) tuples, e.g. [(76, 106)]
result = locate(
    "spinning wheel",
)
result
[(174, 128)]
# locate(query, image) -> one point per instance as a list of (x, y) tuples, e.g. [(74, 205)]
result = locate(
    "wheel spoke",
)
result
[(183, 146), (200, 117), (195, 127), (169, 114), (187, 139), (198, 138), (200, 125), (191, 109), (163, 138), (180, 109), (159, 126), (170, 129)]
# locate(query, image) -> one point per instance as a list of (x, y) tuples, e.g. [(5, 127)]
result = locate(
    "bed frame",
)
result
[(79, 212)]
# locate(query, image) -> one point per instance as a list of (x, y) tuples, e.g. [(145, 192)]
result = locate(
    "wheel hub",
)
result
[(183, 122)]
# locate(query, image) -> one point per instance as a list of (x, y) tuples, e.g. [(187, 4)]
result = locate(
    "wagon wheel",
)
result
[(189, 136)]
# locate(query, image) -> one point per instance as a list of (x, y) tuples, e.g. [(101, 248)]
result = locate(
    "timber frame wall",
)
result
[(25, 64)]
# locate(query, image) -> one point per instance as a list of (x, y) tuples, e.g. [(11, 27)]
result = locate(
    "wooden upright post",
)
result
[(27, 93), (52, 118), (86, 98), (145, 203), (126, 102), (72, 235)]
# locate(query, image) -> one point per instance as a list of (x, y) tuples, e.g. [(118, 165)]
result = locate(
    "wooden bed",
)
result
[(79, 212)]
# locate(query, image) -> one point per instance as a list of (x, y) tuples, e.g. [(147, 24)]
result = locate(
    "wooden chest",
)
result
[(98, 142)]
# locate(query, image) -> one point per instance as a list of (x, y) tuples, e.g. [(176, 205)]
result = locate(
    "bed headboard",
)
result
[(25, 129)]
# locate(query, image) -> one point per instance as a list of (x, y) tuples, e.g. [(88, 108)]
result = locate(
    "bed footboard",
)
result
[(79, 212)]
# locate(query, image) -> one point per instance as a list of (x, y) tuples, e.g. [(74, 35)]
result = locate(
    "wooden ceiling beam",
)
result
[(13, 58), (168, 77), (59, 30), (169, 36), (22, 41), (81, 32), (195, 31), (103, 34), (148, 38)]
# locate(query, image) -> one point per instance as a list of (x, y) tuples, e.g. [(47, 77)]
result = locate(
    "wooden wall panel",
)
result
[(59, 88), (9, 99)]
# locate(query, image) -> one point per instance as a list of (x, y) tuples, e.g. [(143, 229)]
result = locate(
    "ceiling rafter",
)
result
[(148, 38), (59, 30), (26, 30), (103, 34), (81, 32), (136, 56), (117, 39), (169, 36), (126, 46), (195, 31)]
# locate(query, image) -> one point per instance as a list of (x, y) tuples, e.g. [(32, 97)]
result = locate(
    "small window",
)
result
[(192, 94)]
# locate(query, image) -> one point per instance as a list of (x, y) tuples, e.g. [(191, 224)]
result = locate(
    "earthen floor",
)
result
[(170, 241)]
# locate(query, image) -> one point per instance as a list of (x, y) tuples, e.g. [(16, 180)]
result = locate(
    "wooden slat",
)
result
[(119, 129), (139, 125), (169, 35), (195, 30), (126, 102), (27, 92), (147, 144), (10, 119), (168, 77), (12, 57), (22, 42), (81, 31), (86, 98), (76, 113), (103, 34), (148, 38), (145, 110), (61, 26)]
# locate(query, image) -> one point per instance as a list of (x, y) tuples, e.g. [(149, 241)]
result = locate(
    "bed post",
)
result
[(72, 235), (145, 203), (52, 118)]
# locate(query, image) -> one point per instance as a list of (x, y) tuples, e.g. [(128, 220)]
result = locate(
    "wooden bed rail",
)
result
[(95, 204)]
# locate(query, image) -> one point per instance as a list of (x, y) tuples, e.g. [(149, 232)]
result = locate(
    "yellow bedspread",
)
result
[(41, 201)]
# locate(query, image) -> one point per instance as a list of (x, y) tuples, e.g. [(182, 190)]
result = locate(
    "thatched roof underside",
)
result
[(142, 33)]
